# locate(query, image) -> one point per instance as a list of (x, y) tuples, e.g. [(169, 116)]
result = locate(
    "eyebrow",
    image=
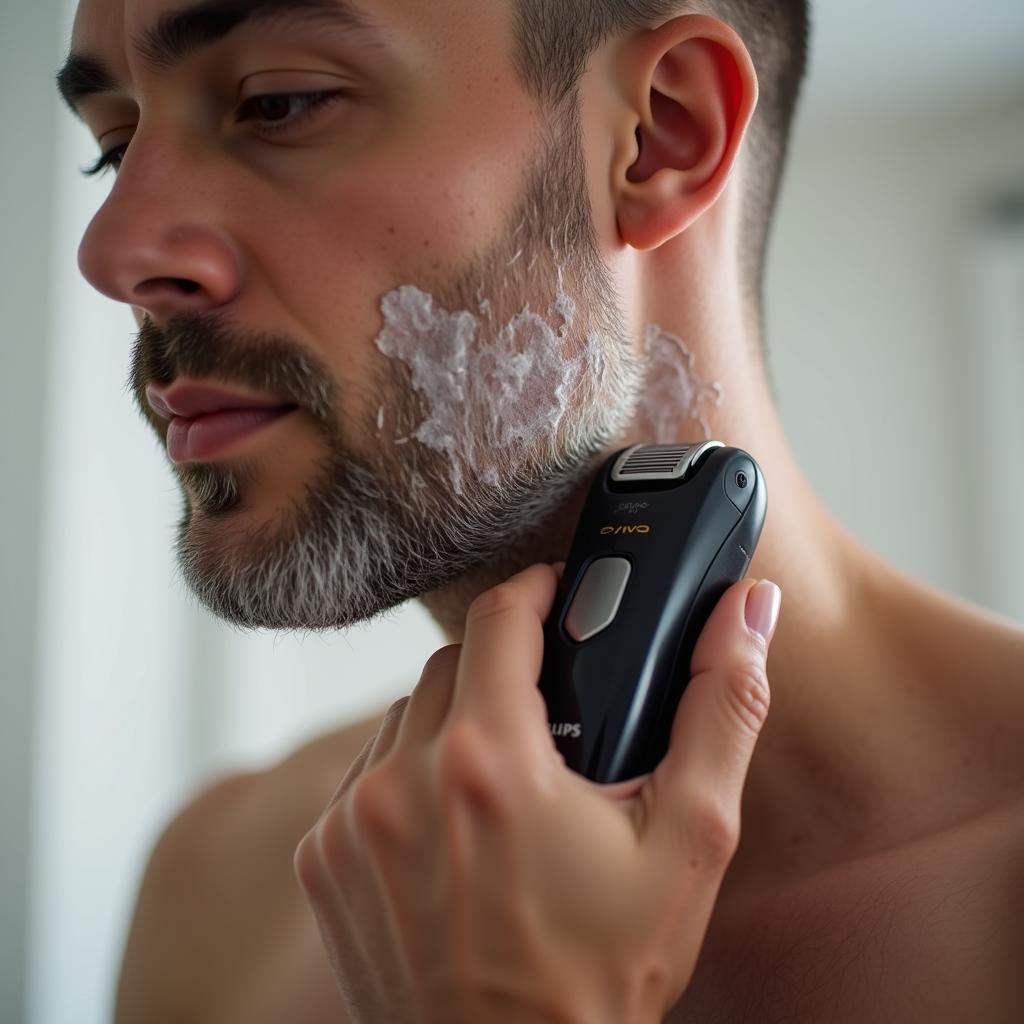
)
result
[(178, 34)]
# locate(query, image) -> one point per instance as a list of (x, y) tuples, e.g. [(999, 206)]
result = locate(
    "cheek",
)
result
[(414, 206), (429, 191), (341, 248), (601, 159), (496, 395), (427, 208)]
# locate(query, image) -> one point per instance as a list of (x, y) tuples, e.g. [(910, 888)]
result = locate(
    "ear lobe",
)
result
[(695, 91)]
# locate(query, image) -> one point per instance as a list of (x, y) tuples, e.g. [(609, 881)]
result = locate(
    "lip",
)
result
[(199, 399), (202, 438), (206, 420)]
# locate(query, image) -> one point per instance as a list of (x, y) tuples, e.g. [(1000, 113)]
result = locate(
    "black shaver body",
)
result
[(665, 531)]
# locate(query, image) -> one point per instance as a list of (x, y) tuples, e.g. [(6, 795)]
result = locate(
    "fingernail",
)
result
[(762, 610)]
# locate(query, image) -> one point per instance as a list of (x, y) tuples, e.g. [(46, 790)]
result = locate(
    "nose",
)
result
[(156, 245)]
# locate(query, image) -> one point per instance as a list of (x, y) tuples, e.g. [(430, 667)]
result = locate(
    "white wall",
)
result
[(874, 345), (27, 143), (135, 697), (994, 310)]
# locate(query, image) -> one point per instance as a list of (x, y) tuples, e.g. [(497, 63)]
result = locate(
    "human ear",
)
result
[(690, 89)]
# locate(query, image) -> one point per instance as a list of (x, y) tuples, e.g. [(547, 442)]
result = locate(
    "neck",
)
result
[(833, 772)]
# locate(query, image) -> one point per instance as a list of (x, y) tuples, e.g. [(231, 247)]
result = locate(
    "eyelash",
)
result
[(321, 100)]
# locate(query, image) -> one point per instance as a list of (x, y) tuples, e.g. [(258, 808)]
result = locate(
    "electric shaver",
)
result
[(665, 531)]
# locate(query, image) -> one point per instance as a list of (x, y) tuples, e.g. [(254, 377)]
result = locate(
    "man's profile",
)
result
[(457, 253)]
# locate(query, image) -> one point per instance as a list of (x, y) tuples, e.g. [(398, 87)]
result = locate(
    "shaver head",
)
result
[(659, 462)]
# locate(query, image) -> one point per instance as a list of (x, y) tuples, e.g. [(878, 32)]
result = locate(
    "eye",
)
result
[(274, 108), (106, 160)]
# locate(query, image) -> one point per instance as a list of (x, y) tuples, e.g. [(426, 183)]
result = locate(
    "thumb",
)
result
[(697, 785)]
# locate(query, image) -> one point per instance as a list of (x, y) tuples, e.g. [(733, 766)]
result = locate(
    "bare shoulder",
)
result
[(220, 872)]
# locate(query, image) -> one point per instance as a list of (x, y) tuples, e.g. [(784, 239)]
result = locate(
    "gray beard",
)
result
[(373, 530), (364, 539)]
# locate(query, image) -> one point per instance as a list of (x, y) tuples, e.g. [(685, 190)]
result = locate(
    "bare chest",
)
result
[(931, 933)]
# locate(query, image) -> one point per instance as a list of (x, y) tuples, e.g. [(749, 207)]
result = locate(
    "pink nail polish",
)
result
[(762, 610)]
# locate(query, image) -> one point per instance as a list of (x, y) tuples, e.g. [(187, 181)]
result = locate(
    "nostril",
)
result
[(186, 285)]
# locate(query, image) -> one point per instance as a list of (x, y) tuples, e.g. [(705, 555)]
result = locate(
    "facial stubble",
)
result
[(378, 522)]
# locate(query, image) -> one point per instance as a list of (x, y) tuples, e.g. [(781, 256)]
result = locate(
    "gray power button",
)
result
[(597, 597)]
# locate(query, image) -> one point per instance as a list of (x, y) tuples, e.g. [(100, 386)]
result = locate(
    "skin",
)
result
[(874, 740)]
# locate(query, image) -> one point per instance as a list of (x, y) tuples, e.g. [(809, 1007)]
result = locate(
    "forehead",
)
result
[(116, 30)]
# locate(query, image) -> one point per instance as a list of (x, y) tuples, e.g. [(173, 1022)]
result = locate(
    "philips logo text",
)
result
[(565, 729)]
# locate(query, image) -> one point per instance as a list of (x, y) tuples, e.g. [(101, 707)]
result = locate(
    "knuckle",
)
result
[(395, 711), (321, 857), (651, 977), (466, 764), (713, 830), (492, 603), (306, 864), (748, 694), (377, 808), (330, 842), (463, 752)]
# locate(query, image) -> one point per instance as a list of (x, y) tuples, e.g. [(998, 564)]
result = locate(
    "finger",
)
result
[(385, 738), (502, 649), (428, 706), (355, 769), (700, 779), (373, 750), (378, 746)]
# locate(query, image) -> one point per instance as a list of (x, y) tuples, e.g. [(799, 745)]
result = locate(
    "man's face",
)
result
[(409, 263)]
